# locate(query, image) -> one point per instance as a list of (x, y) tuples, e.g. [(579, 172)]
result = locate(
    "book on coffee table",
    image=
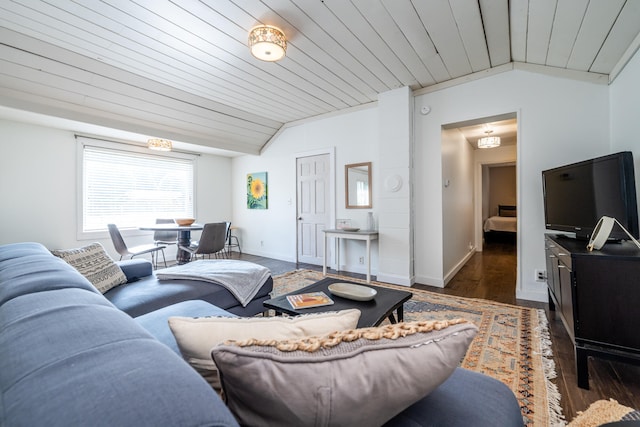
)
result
[(309, 299)]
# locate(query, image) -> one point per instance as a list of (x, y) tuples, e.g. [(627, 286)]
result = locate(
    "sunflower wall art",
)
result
[(257, 190)]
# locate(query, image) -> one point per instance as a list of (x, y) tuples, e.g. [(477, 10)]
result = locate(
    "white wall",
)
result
[(457, 202), (38, 188), (625, 100), (395, 226), (560, 121), (354, 138)]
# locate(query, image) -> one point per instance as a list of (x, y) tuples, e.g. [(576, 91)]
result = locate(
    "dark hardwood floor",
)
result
[(491, 275)]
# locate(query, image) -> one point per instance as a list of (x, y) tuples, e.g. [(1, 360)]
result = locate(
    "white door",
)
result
[(313, 206)]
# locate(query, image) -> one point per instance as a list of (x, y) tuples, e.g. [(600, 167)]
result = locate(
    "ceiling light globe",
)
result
[(267, 43), (159, 144), (489, 142)]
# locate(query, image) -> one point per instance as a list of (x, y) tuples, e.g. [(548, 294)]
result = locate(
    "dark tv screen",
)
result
[(576, 196)]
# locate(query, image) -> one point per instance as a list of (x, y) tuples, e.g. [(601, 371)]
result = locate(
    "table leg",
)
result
[(582, 367), (368, 260), (184, 239), (399, 315), (324, 256)]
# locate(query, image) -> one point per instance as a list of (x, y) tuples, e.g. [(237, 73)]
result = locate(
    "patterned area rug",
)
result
[(604, 411), (512, 344)]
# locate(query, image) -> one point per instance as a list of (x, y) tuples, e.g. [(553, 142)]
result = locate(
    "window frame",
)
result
[(122, 147)]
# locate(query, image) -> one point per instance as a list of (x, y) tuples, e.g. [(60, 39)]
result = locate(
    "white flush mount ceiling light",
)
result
[(267, 43), (489, 141), (159, 144)]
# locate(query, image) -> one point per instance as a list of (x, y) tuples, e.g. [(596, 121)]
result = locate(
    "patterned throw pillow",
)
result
[(196, 336), (94, 263), (357, 377)]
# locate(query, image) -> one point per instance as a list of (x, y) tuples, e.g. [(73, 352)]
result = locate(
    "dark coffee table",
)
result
[(373, 312)]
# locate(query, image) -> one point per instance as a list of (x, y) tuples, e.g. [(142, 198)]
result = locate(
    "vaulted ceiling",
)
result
[(181, 69)]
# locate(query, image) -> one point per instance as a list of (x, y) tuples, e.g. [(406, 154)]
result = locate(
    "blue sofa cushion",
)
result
[(466, 398), (36, 270), (68, 357), (156, 322), (135, 269)]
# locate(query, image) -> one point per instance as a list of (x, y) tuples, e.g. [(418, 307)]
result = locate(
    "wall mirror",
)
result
[(357, 182)]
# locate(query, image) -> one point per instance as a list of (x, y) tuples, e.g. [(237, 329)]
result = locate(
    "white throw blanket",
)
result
[(242, 278)]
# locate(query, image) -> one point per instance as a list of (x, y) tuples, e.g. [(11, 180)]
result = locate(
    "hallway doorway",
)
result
[(469, 168)]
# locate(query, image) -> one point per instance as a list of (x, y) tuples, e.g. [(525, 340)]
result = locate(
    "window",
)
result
[(128, 186)]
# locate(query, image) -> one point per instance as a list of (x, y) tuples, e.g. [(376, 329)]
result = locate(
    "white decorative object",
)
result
[(351, 291), (371, 225), (393, 183), (342, 224), (602, 231)]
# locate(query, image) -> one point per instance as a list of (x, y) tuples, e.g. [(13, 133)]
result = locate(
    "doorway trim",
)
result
[(331, 151)]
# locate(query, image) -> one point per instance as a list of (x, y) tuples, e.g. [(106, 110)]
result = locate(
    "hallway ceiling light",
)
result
[(489, 141), (267, 43), (159, 144)]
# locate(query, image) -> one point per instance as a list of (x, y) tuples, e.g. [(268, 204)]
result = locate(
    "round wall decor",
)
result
[(393, 183)]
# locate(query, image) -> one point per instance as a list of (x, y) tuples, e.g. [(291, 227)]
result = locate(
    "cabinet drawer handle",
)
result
[(561, 266), (562, 254), (552, 256)]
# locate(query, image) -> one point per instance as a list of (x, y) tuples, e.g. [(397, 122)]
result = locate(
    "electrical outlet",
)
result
[(361, 260), (541, 275), (261, 243)]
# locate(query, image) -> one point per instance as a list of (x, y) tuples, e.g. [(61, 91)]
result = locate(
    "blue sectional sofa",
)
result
[(69, 357)]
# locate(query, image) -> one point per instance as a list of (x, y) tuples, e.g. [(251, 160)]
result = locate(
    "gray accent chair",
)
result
[(124, 251), (212, 241)]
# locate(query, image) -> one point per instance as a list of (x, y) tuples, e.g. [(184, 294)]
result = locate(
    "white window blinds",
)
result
[(130, 188)]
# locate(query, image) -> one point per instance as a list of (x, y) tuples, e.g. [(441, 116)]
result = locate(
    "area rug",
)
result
[(604, 411), (512, 344)]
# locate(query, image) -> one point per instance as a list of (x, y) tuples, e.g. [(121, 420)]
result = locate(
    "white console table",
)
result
[(366, 235)]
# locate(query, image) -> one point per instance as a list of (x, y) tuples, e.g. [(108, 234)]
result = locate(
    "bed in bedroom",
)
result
[(503, 225)]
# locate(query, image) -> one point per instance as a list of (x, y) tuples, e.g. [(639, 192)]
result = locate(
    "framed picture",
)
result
[(257, 190)]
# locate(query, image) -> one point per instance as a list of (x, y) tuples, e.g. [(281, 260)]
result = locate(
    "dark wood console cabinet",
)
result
[(597, 296)]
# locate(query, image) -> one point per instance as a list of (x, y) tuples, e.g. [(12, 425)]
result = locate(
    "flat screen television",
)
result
[(576, 196)]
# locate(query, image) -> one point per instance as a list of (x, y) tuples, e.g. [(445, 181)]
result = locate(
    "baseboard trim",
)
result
[(430, 281), (458, 267), (395, 279), (269, 255), (532, 296)]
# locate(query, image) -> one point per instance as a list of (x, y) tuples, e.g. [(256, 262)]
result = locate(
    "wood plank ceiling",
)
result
[(181, 69)]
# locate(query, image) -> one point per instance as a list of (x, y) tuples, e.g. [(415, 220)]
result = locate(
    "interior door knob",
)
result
[(299, 218)]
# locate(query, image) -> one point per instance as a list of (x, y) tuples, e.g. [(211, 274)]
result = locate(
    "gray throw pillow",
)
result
[(357, 377), (93, 262)]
